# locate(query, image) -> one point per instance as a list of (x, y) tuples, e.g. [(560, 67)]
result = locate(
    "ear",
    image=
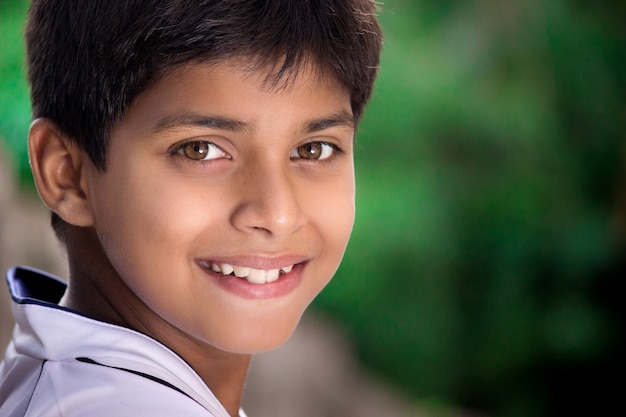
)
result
[(58, 167)]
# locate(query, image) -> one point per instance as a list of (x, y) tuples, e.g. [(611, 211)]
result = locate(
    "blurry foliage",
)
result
[(487, 163), (14, 102)]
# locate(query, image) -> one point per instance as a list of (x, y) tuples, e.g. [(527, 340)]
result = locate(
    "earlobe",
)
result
[(58, 171)]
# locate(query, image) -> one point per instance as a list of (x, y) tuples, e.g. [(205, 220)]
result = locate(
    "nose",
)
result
[(268, 202)]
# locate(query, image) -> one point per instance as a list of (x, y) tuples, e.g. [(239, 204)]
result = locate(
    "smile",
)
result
[(252, 275)]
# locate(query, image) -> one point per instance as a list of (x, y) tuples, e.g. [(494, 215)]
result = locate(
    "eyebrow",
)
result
[(224, 123), (200, 120), (342, 118)]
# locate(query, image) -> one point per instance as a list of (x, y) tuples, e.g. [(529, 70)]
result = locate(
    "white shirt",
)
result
[(60, 363)]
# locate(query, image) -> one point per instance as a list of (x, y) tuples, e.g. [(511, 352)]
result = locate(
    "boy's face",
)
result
[(212, 170)]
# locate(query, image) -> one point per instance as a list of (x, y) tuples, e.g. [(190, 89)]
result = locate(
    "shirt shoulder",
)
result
[(78, 389), (61, 363)]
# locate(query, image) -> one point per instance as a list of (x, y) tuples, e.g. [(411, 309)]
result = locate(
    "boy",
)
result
[(197, 159)]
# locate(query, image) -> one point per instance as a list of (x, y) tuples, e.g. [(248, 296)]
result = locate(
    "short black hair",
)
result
[(89, 60)]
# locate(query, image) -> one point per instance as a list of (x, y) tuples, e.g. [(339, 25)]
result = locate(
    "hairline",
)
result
[(274, 80)]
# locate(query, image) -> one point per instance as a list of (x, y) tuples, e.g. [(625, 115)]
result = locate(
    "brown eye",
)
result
[(314, 151), (200, 150), (196, 150), (310, 150)]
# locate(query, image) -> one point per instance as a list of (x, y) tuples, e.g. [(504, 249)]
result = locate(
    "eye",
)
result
[(201, 151), (314, 151)]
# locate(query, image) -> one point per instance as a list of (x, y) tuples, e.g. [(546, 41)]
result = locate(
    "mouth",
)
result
[(252, 275)]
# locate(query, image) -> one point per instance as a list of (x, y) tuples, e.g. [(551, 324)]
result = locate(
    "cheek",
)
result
[(155, 206), (331, 210), (340, 207), (148, 221)]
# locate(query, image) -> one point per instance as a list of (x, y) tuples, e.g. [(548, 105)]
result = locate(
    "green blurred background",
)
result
[(486, 269)]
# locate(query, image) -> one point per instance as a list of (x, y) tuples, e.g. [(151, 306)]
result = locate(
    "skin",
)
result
[(140, 230)]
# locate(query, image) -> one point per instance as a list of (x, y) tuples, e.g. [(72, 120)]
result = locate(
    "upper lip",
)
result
[(262, 262)]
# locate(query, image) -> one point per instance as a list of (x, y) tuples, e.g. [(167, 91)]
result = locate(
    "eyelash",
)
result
[(199, 146), (326, 151), (325, 148)]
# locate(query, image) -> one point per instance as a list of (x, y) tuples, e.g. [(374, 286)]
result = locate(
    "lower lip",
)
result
[(284, 285)]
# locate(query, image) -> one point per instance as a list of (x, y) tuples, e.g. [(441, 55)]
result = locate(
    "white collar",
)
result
[(49, 332)]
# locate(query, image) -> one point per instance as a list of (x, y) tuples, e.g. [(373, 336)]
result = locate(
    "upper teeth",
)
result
[(255, 276)]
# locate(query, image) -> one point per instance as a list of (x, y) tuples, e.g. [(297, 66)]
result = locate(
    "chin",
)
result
[(259, 339)]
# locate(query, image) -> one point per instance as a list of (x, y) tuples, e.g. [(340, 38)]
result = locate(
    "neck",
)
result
[(96, 290)]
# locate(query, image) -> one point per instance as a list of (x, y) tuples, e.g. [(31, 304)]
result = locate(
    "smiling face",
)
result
[(226, 205)]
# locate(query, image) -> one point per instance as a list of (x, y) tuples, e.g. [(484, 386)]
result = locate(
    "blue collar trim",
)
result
[(32, 286)]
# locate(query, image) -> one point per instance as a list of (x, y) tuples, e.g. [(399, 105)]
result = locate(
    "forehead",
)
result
[(272, 75), (240, 92)]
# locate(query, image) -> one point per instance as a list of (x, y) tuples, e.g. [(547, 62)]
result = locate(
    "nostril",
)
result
[(267, 219), (269, 202)]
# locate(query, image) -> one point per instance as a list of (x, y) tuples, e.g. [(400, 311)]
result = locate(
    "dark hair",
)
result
[(88, 60)]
